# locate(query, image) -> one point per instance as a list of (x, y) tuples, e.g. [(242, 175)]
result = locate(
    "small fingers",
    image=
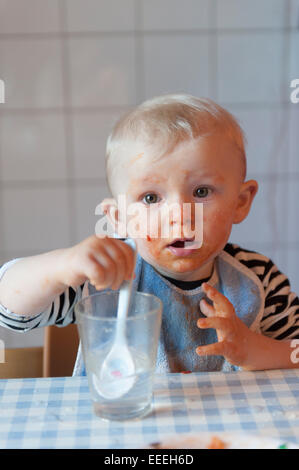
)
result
[(219, 323), (213, 349), (118, 262), (222, 305), (206, 308), (96, 274), (108, 265), (129, 259)]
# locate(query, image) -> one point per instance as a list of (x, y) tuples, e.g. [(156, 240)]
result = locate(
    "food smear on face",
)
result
[(140, 155)]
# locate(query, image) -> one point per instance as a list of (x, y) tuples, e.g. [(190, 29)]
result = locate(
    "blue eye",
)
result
[(201, 192), (150, 198)]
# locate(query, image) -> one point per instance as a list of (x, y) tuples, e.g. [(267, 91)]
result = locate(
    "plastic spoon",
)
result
[(117, 375)]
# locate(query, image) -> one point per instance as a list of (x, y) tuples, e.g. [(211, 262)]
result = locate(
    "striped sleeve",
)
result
[(281, 312), (59, 313)]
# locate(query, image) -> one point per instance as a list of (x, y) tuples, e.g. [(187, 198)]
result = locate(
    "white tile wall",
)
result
[(267, 133), (294, 13), (86, 201), (90, 132), (35, 218), (31, 70), (102, 71), (100, 15), (249, 67), (176, 67), (35, 145), (167, 15), (71, 67), (294, 138), (236, 14), (31, 16), (294, 52), (291, 205), (293, 256), (267, 220)]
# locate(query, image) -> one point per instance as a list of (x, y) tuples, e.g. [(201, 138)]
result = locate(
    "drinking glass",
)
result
[(97, 319)]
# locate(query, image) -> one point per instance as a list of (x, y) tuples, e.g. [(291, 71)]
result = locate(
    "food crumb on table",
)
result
[(216, 443)]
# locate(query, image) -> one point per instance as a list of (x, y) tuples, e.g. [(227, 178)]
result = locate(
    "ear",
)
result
[(247, 193), (110, 208)]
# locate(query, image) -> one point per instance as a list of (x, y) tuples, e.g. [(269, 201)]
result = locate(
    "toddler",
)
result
[(224, 307)]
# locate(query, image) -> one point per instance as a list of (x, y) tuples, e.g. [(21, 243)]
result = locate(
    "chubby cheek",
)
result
[(149, 247), (217, 226)]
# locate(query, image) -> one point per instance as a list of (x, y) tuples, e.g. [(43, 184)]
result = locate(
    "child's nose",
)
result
[(181, 213), (179, 200)]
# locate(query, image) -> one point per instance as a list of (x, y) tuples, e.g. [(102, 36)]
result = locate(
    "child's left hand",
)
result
[(232, 333)]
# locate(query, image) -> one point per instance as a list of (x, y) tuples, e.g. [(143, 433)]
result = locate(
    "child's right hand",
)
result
[(105, 262)]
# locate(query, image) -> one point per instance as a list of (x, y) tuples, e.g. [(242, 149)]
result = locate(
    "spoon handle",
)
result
[(124, 305), (122, 312)]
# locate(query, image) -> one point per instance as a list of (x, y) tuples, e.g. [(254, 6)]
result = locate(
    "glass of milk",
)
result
[(97, 319)]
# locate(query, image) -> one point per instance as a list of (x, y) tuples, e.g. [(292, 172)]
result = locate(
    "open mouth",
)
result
[(183, 246), (181, 243)]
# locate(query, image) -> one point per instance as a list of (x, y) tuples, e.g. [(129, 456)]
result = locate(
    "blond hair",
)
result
[(163, 122)]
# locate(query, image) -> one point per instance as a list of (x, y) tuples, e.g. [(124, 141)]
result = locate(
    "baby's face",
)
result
[(207, 171)]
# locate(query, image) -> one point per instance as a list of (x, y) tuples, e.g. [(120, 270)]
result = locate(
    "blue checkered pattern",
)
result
[(57, 412)]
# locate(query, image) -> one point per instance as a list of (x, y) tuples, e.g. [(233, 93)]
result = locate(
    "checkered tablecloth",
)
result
[(57, 412)]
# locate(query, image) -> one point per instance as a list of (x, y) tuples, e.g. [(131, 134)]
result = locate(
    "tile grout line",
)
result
[(287, 114), (139, 54), (273, 209), (2, 229), (213, 49), (52, 184), (68, 129), (65, 109), (74, 181), (150, 32), (247, 105)]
